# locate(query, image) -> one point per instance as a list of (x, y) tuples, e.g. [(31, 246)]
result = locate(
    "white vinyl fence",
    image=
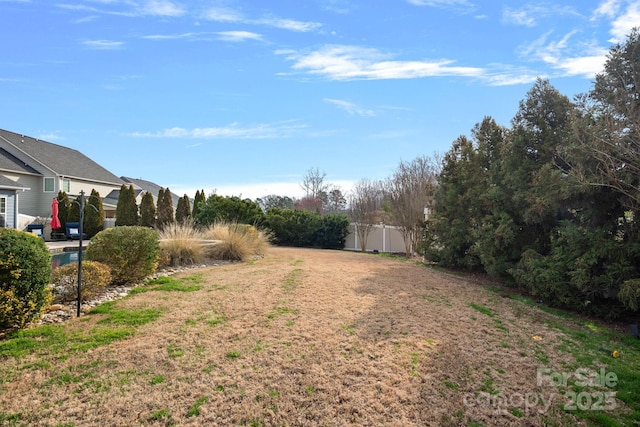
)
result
[(382, 238)]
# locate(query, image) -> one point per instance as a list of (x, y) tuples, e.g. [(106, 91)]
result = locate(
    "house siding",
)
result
[(10, 214)]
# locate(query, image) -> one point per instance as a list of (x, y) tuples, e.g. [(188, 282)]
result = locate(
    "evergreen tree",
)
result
[(63, 208), (73, 214), (183, 210), (164, 210), (93, 214), (147, 210), (199, 198), (526, 188), (231, 209), (127, 209)]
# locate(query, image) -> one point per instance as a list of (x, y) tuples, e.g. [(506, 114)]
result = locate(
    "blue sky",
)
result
[(245, 96)]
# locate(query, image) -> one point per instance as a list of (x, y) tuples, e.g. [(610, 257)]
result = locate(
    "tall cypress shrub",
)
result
[(93, 214), (147, 211), (127, 209), (183, 211), (165, 208)]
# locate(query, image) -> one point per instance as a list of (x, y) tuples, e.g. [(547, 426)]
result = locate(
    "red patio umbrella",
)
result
[(55, 221)]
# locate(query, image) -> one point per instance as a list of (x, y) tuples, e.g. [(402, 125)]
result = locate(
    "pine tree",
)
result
[(127, 209), (165, 208), (93, 214), (183, 210), (200, 198), (63, 208), (147, 211)]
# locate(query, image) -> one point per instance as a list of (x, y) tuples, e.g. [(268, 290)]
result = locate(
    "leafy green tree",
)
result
[(164, 211), (127, 209), (93, 214), (275, 201), (147, 210), (230, 209), (199, 198), (183, 210)]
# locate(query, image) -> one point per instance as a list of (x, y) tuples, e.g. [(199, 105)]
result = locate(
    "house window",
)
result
[(66, 185), (49, 185), (3, 210)]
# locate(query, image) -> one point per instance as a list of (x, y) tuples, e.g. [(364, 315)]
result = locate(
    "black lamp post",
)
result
[(81, 231)]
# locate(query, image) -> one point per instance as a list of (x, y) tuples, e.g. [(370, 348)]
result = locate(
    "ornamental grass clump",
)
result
[(181, 244), (235, 242)]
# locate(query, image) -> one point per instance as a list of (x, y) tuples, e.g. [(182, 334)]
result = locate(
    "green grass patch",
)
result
[(158, 379), (280, 311), (174, 351), (194, 410), (482, 309), (171, 284), (131, 317), (55, 339), (292, 280)]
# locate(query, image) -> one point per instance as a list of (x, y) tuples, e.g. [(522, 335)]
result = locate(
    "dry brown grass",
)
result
[(299, 338)]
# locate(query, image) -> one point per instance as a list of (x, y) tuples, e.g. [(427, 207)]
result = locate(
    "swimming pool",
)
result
[(61, 258)]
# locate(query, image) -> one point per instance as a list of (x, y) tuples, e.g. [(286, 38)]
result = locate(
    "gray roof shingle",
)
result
[(63, 161)]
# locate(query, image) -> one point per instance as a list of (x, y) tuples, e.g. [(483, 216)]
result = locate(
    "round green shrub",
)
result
[(95, 277), (25, 273), (131, 252)]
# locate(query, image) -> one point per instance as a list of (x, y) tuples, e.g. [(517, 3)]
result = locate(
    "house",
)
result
[(32, 172)]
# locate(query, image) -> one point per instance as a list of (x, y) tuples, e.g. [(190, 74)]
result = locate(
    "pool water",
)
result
[(62, 258)]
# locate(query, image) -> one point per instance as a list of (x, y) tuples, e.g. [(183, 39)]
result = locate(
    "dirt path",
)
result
[(304, 337)]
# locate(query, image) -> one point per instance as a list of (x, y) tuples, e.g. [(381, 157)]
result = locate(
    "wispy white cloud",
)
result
[(508, 75), (231, 131), (173, 36), (342, 7), (219, 14), (625, 22), (50, 137), (231, 15), (161, 8), (232, 36), (86, 19), (565, 57), (459, 5), (530, 14), (129, 8), (339, 62), (350, 107), (607, 9), (238, 36), (103, 44), (288, 24)]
